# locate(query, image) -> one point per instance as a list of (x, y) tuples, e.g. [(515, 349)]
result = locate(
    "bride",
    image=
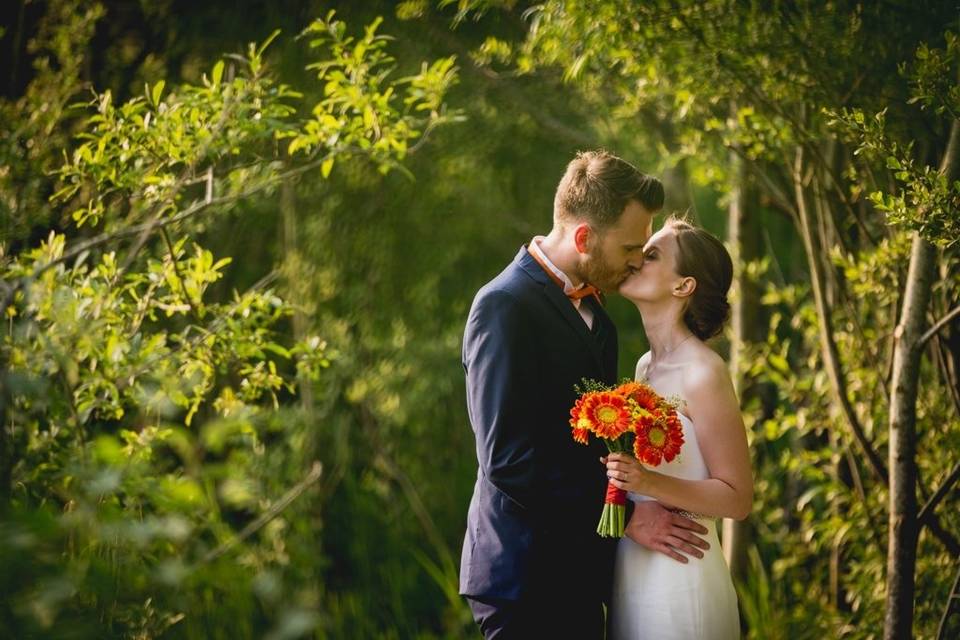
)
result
[(681, 292)]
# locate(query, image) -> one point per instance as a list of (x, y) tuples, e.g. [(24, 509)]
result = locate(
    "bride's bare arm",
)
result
[(713, 407)]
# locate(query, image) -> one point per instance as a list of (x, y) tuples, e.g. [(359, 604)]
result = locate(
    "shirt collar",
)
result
[(554, 269)]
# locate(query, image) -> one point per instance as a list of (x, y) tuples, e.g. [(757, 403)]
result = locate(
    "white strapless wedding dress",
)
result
[(657, 598)]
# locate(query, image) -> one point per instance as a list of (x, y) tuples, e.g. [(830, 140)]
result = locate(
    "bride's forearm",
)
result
[(710, 497)]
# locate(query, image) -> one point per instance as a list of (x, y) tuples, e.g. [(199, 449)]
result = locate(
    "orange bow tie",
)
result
[(583, 292)]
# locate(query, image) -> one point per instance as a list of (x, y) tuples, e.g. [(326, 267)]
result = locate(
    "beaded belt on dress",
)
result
[(688, 514)]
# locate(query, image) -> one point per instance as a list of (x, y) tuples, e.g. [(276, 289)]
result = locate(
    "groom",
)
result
[(533, 565)]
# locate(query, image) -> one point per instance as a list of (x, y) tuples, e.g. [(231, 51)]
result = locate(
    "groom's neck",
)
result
[(558, 246)]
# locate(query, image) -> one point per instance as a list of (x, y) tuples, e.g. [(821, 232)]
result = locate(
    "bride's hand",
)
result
[(625, 472)]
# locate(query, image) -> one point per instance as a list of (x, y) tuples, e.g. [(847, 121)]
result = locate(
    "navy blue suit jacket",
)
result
[(531, 526)]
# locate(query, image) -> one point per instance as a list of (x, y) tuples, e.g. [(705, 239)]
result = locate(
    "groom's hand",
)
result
[(654, 527)]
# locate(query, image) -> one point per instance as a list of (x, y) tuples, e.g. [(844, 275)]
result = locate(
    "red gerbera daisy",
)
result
[(658, 441)]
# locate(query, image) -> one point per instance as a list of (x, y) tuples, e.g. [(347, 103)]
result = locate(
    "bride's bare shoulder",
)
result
[(642, 365), (705, 369)]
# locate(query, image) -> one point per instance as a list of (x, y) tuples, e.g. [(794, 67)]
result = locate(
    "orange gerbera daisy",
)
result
[(581, 435), (580, 426), (628, 388), (640, 396), (658, 441), (581, 429), (605, 414)]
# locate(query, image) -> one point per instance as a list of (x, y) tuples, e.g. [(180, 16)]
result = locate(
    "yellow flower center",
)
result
[(607, 414), (657, 437)]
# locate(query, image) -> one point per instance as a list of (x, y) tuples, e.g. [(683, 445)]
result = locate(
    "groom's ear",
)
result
[(685, 287), (581, 237)]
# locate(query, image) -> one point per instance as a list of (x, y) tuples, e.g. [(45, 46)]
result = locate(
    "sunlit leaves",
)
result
[(933, 76), (924, 199), (143, 156), (362, 108)]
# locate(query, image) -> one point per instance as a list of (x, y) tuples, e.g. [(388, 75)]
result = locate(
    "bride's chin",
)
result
[(635, 294), (627, 285), (628, 292)]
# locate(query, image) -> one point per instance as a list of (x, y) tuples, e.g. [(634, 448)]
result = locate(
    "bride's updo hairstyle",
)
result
[(703, 258)]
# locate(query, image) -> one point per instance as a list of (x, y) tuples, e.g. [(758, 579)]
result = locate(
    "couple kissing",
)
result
[(532, 564)]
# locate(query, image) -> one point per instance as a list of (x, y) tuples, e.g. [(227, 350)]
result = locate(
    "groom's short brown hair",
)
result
[(597, 186)]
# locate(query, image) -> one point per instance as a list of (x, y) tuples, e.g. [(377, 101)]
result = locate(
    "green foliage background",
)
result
[(235, 279)]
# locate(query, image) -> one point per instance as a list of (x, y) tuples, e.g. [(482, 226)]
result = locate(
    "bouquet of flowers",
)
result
[(629, 417)]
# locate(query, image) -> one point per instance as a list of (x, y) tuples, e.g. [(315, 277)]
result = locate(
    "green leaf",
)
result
[(107, 449), (277, 349), (217, 73), (266, 43), (300, 142), (157, 92), (779, 362), (326, 167)]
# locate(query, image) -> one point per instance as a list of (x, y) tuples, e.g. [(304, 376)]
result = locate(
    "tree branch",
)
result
[(750, 85), (949, 542), (927, 511), (312, 476), (196, 207), (829, 350), (940, 324), (951, 609)]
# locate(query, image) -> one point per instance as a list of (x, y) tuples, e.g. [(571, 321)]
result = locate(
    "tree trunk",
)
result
[(908, 351), (744, 240), (902, 543)]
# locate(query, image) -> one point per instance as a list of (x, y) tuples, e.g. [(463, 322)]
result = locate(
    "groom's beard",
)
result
[(598, 272)]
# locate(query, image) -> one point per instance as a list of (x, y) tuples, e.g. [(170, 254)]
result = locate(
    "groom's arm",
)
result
[(500, 366), (652, 526)]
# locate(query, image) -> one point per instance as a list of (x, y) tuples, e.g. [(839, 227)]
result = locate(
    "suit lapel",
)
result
[(556, 296)]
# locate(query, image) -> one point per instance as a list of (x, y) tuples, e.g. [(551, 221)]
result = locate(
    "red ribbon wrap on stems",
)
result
[(613, 518), (615, 495)]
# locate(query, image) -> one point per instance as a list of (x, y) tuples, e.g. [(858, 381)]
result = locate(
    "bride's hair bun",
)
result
[(704, 258), (706, 315)]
